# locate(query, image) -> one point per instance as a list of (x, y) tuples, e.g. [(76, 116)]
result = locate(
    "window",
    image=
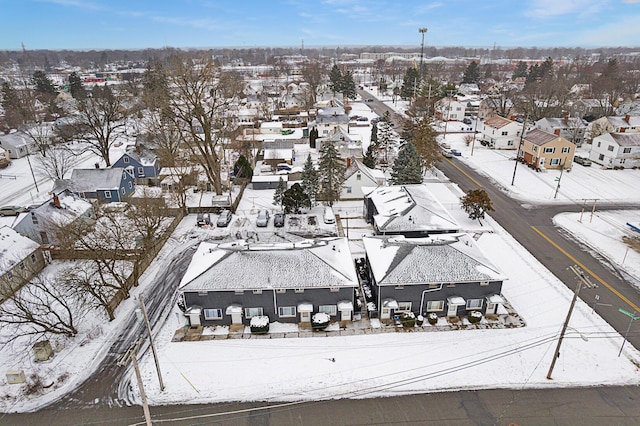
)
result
[(259, 291), (565, 149), (535, 148), (238, 292), (599, 143), (626, 150), (435, 305), (505, 133), (474, 304), (400, 287), (334, 289), (484, 283), (601, 157), (509, 143), (130, 186), (9, 275), (555, 161), (358, 176), (549, 149), (125, 159), (141, 171), (33, 258), (22, 266), (404, 307), (281, 290), (287, 311), (252, 312), (107, 194), (212, 314), (34, 218), (610, 148), (348, 190), (328, 309), (123, 189), (299, 290)]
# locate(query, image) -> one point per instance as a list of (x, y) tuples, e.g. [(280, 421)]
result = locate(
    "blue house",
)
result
[(104, 185), (144, 166)]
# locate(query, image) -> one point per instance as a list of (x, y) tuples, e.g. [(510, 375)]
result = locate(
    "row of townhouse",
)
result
[(418, 262)]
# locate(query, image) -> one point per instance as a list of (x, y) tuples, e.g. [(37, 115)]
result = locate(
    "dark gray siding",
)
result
[(413, 294), (223, 299)]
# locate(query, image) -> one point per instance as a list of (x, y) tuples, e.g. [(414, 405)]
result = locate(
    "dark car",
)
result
[(278, 220), (466, 120), (224, 219), (456, 152), (11, 210)]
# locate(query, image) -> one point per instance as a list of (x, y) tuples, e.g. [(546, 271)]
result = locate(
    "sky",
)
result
[(127, 24)]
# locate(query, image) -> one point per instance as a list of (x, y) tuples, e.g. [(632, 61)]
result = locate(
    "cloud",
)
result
[(421, 10), (631, 1), (623, 31), (542, 9), (75, 3)]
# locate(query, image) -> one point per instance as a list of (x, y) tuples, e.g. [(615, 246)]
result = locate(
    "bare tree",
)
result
[(55, 162), (149, 216), (313, 74), (102, 118), (40, 308), (200, 109)]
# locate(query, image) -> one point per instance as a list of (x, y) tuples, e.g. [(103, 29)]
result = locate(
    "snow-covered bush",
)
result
[(432, 318), (419, 320), (259, 324), (474, 316), (320, 321), (408, 319)]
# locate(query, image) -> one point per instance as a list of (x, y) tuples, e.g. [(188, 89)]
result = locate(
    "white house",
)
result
[(450, 109), (357, 177), (571, 128), (615, 150), (500, 133), (330, 119), (17, 144)]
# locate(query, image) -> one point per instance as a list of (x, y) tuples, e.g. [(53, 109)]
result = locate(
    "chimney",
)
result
[(56, 201), (627, 118), (566, 119), (556, 132), (138, 149)]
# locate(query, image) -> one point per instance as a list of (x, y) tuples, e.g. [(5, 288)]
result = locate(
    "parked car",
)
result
[(447, 154), (456, 152), (224, 219), (445, 145), (362, 119), (581, 160), (278, 220), (283, 167), (11, 210), (466, 120), (329, 217), (203, 219), (263, 218)]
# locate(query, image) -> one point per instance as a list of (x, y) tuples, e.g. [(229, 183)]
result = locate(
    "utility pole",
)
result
[(556, 354), (422, 31), (558, 179), (524, 123), (130, 355), (153, 347)]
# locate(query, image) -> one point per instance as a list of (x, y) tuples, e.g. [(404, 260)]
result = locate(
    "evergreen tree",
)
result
[(424, 140), (409, 83), (242, 168), (43, 84), (407, 168), (155, 85), (371, 156), (335, 79), (374, 134), (349, 86), (313, 135), (476, 202), (385, 139), (331, 174), (75, 86), (520, 71), (279, 192), (471, 74), (294, 199), (310, 179)]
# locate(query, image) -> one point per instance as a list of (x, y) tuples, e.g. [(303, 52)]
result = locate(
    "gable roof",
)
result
[(450, 258), (321, 263), (571, 122), (90, 180), (617, 122), (13, 248), (143, 158), (408, 208), (372, 174), (540, 137), (626, 139), (497, 122)]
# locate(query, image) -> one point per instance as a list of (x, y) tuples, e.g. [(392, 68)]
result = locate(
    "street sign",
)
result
[(629, 314)]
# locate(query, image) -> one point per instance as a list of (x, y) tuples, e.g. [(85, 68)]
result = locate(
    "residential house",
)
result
[(229, 283), (278, 151), (500, 133), (42, 222), (329, 119), (445, 274), (571, 128), (450, 109), (544, 150), (348, 145), (409, 210), (20, 259), (495, 105), (175, 179), (626, 124), (17, 144), (104, 185), (142, 165), (357, 178), (616, 150), (594, 108)]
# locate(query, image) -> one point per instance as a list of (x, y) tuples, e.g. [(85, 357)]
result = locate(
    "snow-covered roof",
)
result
[(626, 139), (626, 121), (450, 258), (540, 137), (71, 207), (320, 263), (497, 122), (410, 208), (89, 180), (14, 248)]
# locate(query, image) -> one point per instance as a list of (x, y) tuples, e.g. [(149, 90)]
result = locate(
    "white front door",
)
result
[(194, 318), (236, 318), (305, 317), (452, 310), (386, 313), (491, 308), (345, 315)]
